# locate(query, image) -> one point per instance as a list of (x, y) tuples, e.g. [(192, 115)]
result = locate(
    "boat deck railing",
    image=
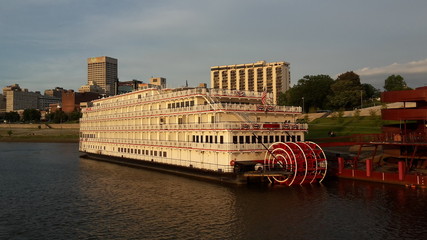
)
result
[(99, 113), (198, 126)]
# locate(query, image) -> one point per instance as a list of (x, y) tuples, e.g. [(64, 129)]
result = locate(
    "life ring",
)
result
[(232, 162)]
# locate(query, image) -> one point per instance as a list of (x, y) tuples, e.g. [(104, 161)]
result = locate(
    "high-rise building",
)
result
[(273, 77), (103, 71)]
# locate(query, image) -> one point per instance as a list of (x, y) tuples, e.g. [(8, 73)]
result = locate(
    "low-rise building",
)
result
[(71, 100), (19, 100), (56, 92), (91, 87)]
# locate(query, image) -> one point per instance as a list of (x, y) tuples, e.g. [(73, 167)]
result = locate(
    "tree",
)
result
[(346, 91), (12, 117), (58, 117), (31, 115), (370, 91), (314, 89), (395, 83), (75, 116)]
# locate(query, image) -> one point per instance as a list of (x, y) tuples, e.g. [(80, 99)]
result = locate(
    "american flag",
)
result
[(264, 97)]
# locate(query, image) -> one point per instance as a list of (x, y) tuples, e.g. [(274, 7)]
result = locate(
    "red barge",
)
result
[(398, 155)]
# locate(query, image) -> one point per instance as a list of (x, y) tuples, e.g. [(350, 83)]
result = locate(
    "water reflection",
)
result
[(47, 192)]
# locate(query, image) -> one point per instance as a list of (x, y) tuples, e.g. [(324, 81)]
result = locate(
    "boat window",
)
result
[(216, 139), (253, 139), (298, 138), (271, 139), (241, 139), (282, 138), (221, 139), (211, 139), (248, 139), (277, 139), (235, 139), (265, 139)]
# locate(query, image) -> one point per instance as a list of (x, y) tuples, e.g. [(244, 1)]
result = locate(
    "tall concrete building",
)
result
[(103, 71), (274, 77)]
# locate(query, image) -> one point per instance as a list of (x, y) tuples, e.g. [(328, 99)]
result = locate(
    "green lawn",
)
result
[(345, 126)]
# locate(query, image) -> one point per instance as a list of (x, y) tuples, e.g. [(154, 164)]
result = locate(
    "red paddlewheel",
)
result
[(303, 162)]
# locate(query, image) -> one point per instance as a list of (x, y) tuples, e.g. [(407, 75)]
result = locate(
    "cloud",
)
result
[(414, 73), (414, 67)]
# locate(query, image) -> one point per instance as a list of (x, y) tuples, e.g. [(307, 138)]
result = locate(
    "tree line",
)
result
[(34, 116), (320, 92)]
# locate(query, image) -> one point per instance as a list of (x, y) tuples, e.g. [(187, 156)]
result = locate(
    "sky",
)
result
[(45, 43)]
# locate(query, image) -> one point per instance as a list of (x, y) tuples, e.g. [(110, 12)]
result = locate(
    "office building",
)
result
[(274, 77), (20, 99), (103, 71)]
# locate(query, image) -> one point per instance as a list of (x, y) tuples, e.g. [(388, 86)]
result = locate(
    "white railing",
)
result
[(180, 144), (199, 108), (118, 101), (199, 126)]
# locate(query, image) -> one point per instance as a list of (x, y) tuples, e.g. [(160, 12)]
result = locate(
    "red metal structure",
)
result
[(403, 146)]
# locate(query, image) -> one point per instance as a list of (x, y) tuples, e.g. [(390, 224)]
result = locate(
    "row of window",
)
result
[(181, 104), (265, 139), (88, 135), (96, 147), (246, 139), (143, 152), (208, 139)]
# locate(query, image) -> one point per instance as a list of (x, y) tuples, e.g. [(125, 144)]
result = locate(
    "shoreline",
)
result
[(49, 133), (38, 140)]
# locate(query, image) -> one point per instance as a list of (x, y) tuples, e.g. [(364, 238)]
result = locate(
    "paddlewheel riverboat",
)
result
[(226, 135)]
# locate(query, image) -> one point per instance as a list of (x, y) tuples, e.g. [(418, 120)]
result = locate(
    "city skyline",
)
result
[(45, 43)]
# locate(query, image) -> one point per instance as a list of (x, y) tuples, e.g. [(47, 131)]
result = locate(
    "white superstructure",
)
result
[(211, 129)]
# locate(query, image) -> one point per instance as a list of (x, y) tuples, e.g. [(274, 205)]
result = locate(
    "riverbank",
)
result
[(39, 133)]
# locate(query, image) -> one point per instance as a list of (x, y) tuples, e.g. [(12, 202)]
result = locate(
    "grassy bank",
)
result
[(38, 133), (343, 126)]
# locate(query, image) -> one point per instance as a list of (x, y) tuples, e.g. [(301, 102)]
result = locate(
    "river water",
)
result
[(48, 192)]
